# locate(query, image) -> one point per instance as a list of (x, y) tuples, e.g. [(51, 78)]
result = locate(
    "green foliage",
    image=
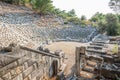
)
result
[(118, 30), (65, 22), (98, 20), (97, 17), (102, 26), (8, 1), (75, 20), (71, 13), (106, 23), (69, 16), (12, 1), (83, 17), (111, 24), (94, 19), (62, 14), (42, 6), (56, 11)]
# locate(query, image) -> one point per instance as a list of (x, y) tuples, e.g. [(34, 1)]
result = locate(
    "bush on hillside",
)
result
[(42, 6)]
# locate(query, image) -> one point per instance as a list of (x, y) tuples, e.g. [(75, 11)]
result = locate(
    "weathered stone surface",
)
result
[(13, 73), (1, 79), (19, 77), (25, 65), (7, 68), (19, 69), (28, 71), (7, 76), (22, 60)]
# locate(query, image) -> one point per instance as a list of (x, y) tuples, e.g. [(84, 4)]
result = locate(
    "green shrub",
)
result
[(42, 6), (8, 1), (65, 22)]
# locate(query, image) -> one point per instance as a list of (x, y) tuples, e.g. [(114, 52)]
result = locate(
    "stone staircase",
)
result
[(96, 63), (91, 61)]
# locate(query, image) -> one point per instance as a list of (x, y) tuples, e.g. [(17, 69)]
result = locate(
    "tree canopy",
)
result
[(42, 6), (106, 23), (111, 24)]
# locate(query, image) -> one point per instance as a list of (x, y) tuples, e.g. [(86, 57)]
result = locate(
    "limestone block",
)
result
[(34, 78), (13, 73), (21, 60), (19, 69), (25, 65), (27, 78), (38, 72), (30, 77), (7, 76), (1, 79), (28, 71), (18, 77), (6, 68), (35, 65)]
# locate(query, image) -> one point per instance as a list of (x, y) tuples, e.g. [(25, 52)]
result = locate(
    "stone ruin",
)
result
[(22, 63), (97, 63)]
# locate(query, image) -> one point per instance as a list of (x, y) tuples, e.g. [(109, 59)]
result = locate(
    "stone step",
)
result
[(97, 44), (93, 58), (95, 47), (102, 42), (95, 51), (87, 75), (91, 63), (88, 69)]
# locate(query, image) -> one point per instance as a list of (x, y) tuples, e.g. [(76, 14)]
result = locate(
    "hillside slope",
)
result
[(21, 25)]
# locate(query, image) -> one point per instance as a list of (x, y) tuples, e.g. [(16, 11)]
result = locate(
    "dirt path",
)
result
[(69, 49)]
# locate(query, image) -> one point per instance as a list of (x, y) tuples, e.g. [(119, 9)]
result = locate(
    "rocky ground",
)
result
[(21, 25)]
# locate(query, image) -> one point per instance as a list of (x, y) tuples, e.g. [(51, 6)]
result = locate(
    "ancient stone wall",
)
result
[(22, 64)]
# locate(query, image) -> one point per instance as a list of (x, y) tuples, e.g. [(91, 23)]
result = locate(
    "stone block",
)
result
[(1, 79), (28, 71), (7, 76), (34, 78), (37, 72), (13, 73), (19, 69), (8, 67), (22, 60), (27, 78), (35, 65), (30, 77), (18, 77), (25, 65)]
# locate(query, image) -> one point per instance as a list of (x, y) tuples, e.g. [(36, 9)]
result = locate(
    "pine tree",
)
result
[(42, 6)]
